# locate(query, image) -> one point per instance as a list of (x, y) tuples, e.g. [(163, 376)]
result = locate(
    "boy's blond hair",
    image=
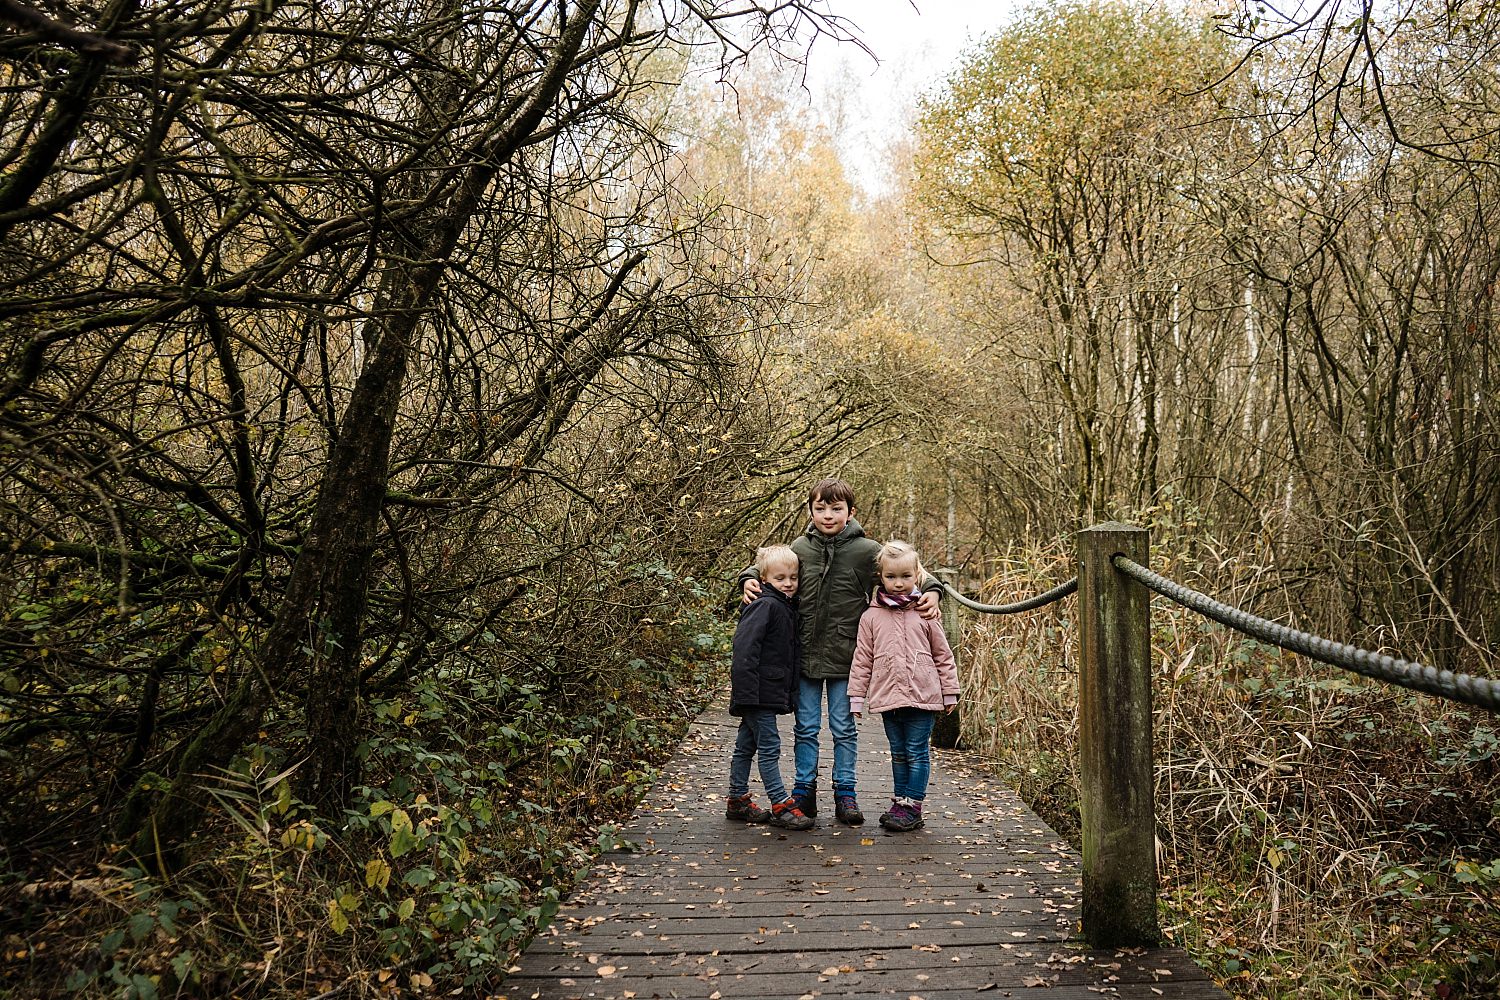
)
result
[(773, 555), (894, 550)]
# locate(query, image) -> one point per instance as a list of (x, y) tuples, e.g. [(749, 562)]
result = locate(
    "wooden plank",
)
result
[(983, 902), (1070, 962)]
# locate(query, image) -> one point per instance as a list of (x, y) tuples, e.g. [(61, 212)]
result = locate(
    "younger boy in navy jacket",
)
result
[(763, 685)]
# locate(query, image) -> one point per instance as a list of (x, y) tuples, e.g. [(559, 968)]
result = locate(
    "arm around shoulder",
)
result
[(749, 584)]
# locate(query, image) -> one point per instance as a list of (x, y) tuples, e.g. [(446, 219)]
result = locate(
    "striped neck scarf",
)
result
[(889, 600)]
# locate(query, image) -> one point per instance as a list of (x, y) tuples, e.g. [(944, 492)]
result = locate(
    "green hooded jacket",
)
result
[(836, 577)]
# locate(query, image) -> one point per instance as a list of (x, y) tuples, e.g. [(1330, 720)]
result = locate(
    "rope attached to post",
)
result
[(1482, 692), (1057, 593)]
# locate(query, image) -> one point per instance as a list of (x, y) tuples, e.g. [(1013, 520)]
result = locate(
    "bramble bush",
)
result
[(487, 796)]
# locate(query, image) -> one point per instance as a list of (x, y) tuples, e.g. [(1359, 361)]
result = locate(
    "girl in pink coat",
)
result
[(903, 670)]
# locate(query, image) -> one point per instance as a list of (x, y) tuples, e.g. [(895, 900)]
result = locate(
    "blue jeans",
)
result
[(758, 737), (910, 733), (840, 724)]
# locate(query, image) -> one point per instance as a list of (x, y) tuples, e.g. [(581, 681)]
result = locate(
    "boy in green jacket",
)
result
[(838, 575)]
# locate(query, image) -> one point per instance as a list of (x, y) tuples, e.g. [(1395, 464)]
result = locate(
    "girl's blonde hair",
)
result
[(895, 550), (773, 555)]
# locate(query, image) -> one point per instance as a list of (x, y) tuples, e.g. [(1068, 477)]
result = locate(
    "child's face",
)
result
[(830, 516), (899, 576), (782, 576)]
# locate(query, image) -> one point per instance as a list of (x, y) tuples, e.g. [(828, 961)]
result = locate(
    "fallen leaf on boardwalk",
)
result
[(988, 986), (1033, 981), (832, 970), (1157, 991), (821, 892), (867, 841), (605, 970), (1162, 972), (914, 927), (927, 947)]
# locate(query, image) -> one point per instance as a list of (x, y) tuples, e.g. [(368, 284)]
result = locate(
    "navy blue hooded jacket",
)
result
[(767, 655)]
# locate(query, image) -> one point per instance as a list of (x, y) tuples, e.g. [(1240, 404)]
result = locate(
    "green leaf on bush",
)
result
[(381, 807), (402, 837), (141, 924), (336, 918), (407, 908), (377, 874)]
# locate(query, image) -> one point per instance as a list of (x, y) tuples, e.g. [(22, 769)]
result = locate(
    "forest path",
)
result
[(982, 902)]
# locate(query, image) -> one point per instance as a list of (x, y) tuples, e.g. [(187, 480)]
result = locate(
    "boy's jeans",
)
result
[(840, 724), (758, 737), (910, 733)]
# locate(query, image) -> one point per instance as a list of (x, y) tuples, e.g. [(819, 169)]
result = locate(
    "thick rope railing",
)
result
[(1479, 691), (1057, 593)]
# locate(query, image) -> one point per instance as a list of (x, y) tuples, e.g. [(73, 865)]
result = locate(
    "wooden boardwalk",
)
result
[(983, 902)]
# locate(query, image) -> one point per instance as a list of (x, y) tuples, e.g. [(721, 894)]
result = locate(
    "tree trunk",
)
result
[(318, 628)]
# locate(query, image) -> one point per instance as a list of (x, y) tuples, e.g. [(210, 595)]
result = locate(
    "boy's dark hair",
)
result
[(831, 491)]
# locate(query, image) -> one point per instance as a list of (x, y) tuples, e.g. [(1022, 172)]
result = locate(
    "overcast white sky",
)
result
[(918, 43)]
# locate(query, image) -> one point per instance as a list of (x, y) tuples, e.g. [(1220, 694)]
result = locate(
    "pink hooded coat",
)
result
[(901, 661)]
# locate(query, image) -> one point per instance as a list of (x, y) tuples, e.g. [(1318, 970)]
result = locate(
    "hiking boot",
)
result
[(905, 816), (885, 816), (787, 816), (807, 799), (846, 811), (742, 808)]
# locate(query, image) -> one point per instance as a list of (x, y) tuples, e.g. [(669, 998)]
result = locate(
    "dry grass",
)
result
[(1320, 835)]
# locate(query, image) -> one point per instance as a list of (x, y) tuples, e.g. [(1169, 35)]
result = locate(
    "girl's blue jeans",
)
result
[(909, 731), (840, 724), (758, 738)]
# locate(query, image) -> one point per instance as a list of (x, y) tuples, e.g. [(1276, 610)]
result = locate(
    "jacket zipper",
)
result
[(828, 550)]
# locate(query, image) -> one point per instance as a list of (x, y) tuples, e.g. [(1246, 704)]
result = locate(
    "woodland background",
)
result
[(390, 390)]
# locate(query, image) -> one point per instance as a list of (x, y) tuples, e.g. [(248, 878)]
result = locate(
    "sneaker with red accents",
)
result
[(742, 809), (787, 816)]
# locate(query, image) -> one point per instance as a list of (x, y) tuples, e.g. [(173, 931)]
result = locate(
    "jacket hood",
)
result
[(851, 530)]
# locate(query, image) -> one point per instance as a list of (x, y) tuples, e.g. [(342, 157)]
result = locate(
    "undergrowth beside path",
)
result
[(489, 792), (1319, 835)]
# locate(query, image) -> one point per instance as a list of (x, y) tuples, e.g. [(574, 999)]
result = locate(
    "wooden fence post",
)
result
[(946, 732), (1117, 802)]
